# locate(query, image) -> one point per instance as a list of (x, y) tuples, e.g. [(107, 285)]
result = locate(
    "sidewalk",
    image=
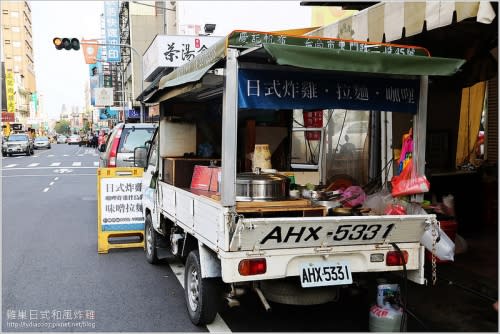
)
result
[(462, 299)]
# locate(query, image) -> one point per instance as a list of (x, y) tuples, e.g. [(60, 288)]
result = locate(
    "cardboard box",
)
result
[(178, 171)]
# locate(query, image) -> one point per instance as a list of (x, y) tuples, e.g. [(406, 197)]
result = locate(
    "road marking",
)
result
[(10, 166), (34, 164), (80, 155), (63, 170), (56, 178), (20, 168), (45, 190), (50, 155), (40, 175), (55, 164), (77, 163), (96, 163), (219, 325), (51, 183), (66, 155)]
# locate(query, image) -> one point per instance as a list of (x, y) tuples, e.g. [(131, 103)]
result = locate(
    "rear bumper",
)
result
[(287, 262)]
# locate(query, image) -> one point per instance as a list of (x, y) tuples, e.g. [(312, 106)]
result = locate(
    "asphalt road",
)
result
[(53, 279)]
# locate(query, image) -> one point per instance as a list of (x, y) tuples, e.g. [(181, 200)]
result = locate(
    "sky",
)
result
[(62, 75)]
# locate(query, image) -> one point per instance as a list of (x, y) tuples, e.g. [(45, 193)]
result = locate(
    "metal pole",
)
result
[(142, 69)]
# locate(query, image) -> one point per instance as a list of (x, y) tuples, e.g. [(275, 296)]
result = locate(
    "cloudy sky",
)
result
[(63, 75)]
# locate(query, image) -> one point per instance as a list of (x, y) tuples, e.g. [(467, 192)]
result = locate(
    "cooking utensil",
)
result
[(259, 186)]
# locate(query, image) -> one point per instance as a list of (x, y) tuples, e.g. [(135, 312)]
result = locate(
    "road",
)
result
[(53, 277)]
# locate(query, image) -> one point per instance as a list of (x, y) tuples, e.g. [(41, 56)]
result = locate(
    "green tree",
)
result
[(63, 127)]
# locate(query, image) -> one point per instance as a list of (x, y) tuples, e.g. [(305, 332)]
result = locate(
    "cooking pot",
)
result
[(345, 211), (259, 186)]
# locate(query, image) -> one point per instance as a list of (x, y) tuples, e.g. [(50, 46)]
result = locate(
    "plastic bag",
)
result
[(378, 201), (408, 184), (445, 248)]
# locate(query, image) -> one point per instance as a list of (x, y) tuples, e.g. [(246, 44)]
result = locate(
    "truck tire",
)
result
[(202, 294), (150, 241)]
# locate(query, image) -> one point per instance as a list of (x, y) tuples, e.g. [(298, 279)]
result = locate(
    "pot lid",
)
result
[(261, 177)]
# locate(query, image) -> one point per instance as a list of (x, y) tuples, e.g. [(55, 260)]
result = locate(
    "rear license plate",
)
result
[(325, 273)]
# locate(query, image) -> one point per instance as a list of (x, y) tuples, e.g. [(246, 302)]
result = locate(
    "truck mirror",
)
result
[(140, 157)]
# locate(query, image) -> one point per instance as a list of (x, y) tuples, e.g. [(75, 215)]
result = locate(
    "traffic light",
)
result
[(66, 43)]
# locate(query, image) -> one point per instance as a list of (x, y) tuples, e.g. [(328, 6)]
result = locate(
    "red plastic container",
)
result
[(450, 228)]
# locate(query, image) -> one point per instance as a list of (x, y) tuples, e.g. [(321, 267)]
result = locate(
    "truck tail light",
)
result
[(114, 149), (393, 258), (250, 267)]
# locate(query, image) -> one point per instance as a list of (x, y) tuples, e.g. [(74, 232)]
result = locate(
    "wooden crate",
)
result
[(178, 171)]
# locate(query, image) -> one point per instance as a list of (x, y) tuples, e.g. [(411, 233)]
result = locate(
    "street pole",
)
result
[(142, 69)]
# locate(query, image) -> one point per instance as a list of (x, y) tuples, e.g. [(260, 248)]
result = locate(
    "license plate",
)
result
[(314, 274)]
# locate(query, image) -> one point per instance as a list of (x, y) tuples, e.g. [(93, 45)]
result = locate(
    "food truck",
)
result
[(245, 182)]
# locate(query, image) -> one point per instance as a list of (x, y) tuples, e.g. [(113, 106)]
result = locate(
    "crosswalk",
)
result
[(56, 164)]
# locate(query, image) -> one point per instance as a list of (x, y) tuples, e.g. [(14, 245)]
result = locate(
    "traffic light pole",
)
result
[(142, 69)]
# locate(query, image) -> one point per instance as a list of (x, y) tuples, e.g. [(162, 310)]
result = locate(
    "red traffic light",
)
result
[(66, 43)]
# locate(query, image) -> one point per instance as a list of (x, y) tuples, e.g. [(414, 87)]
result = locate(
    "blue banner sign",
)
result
[(112, 30), (132, 113), (263, 89)]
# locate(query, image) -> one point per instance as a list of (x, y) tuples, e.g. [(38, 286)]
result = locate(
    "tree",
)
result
[(63, 127)]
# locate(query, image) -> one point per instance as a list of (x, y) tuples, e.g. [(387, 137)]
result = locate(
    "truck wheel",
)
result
[(150, 236), (202, 297)]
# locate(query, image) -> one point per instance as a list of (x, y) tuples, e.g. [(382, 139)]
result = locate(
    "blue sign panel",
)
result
[(108, 113), (132, 113), (112, 30), (263, 89)]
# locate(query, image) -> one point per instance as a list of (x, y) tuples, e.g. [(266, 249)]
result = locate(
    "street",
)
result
[(54, 279)]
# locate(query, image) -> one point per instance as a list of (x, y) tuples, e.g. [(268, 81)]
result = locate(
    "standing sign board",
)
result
[(120, 222)]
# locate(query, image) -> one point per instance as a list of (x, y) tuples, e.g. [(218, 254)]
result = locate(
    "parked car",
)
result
[(352, 138), (17, 143), (74, 139), (118, 151), (41, 142), (62, 139)]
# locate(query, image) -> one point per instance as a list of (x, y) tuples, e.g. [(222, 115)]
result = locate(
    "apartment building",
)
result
[(17, 49)]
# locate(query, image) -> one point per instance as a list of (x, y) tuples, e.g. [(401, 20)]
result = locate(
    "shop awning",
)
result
[(350, 61), (390, 21), (313, 53)]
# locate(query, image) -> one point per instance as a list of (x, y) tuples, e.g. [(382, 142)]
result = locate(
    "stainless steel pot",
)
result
[(261, 186)]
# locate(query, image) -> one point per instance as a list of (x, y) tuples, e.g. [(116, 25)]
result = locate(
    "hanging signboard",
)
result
[(119, 192), (103, 96), (112, 30), (173, 51), (262, 89)]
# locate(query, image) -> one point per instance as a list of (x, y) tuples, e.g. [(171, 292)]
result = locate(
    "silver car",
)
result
[(118, 151), (41, 142)]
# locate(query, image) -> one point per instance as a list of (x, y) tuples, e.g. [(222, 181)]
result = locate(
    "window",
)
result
[(15, 29), (133, 138), (16, 44), (18, 59), (14, 13)]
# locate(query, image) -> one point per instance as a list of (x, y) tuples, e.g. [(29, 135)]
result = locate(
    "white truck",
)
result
[(237, 233)]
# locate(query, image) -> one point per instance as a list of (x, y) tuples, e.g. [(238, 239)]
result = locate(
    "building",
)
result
[(17, 48)]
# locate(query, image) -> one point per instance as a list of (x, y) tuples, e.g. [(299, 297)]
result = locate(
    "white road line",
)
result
[(219, 325), (40, 175), (50, 155), (77, 163), (53, 167), (34, 164), (10, 166), (96, 163), (55, 164), (51, 183), (66, 155), (45, 190), (56, 178), (80, 155)]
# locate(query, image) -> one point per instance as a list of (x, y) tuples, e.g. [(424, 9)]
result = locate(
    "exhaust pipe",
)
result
[(262, 298)]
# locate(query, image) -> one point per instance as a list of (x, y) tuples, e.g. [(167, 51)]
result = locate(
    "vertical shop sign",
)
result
[(9, 82), (112, 30)]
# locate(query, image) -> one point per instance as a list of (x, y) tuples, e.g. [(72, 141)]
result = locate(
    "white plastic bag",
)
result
[(445, 248)]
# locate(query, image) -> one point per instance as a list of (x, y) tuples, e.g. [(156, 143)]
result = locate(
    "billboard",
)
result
[(112, 30)]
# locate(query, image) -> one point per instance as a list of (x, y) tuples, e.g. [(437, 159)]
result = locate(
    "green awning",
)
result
[(351, 61)]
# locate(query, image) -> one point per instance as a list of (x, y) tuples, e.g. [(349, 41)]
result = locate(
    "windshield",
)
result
[(41, 139), (133, 138), (18, 138)]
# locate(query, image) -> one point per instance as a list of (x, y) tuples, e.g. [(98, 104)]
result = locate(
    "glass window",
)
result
[(15, 29), (133, 137), (16, 44), (18, 58), (14, 13)]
